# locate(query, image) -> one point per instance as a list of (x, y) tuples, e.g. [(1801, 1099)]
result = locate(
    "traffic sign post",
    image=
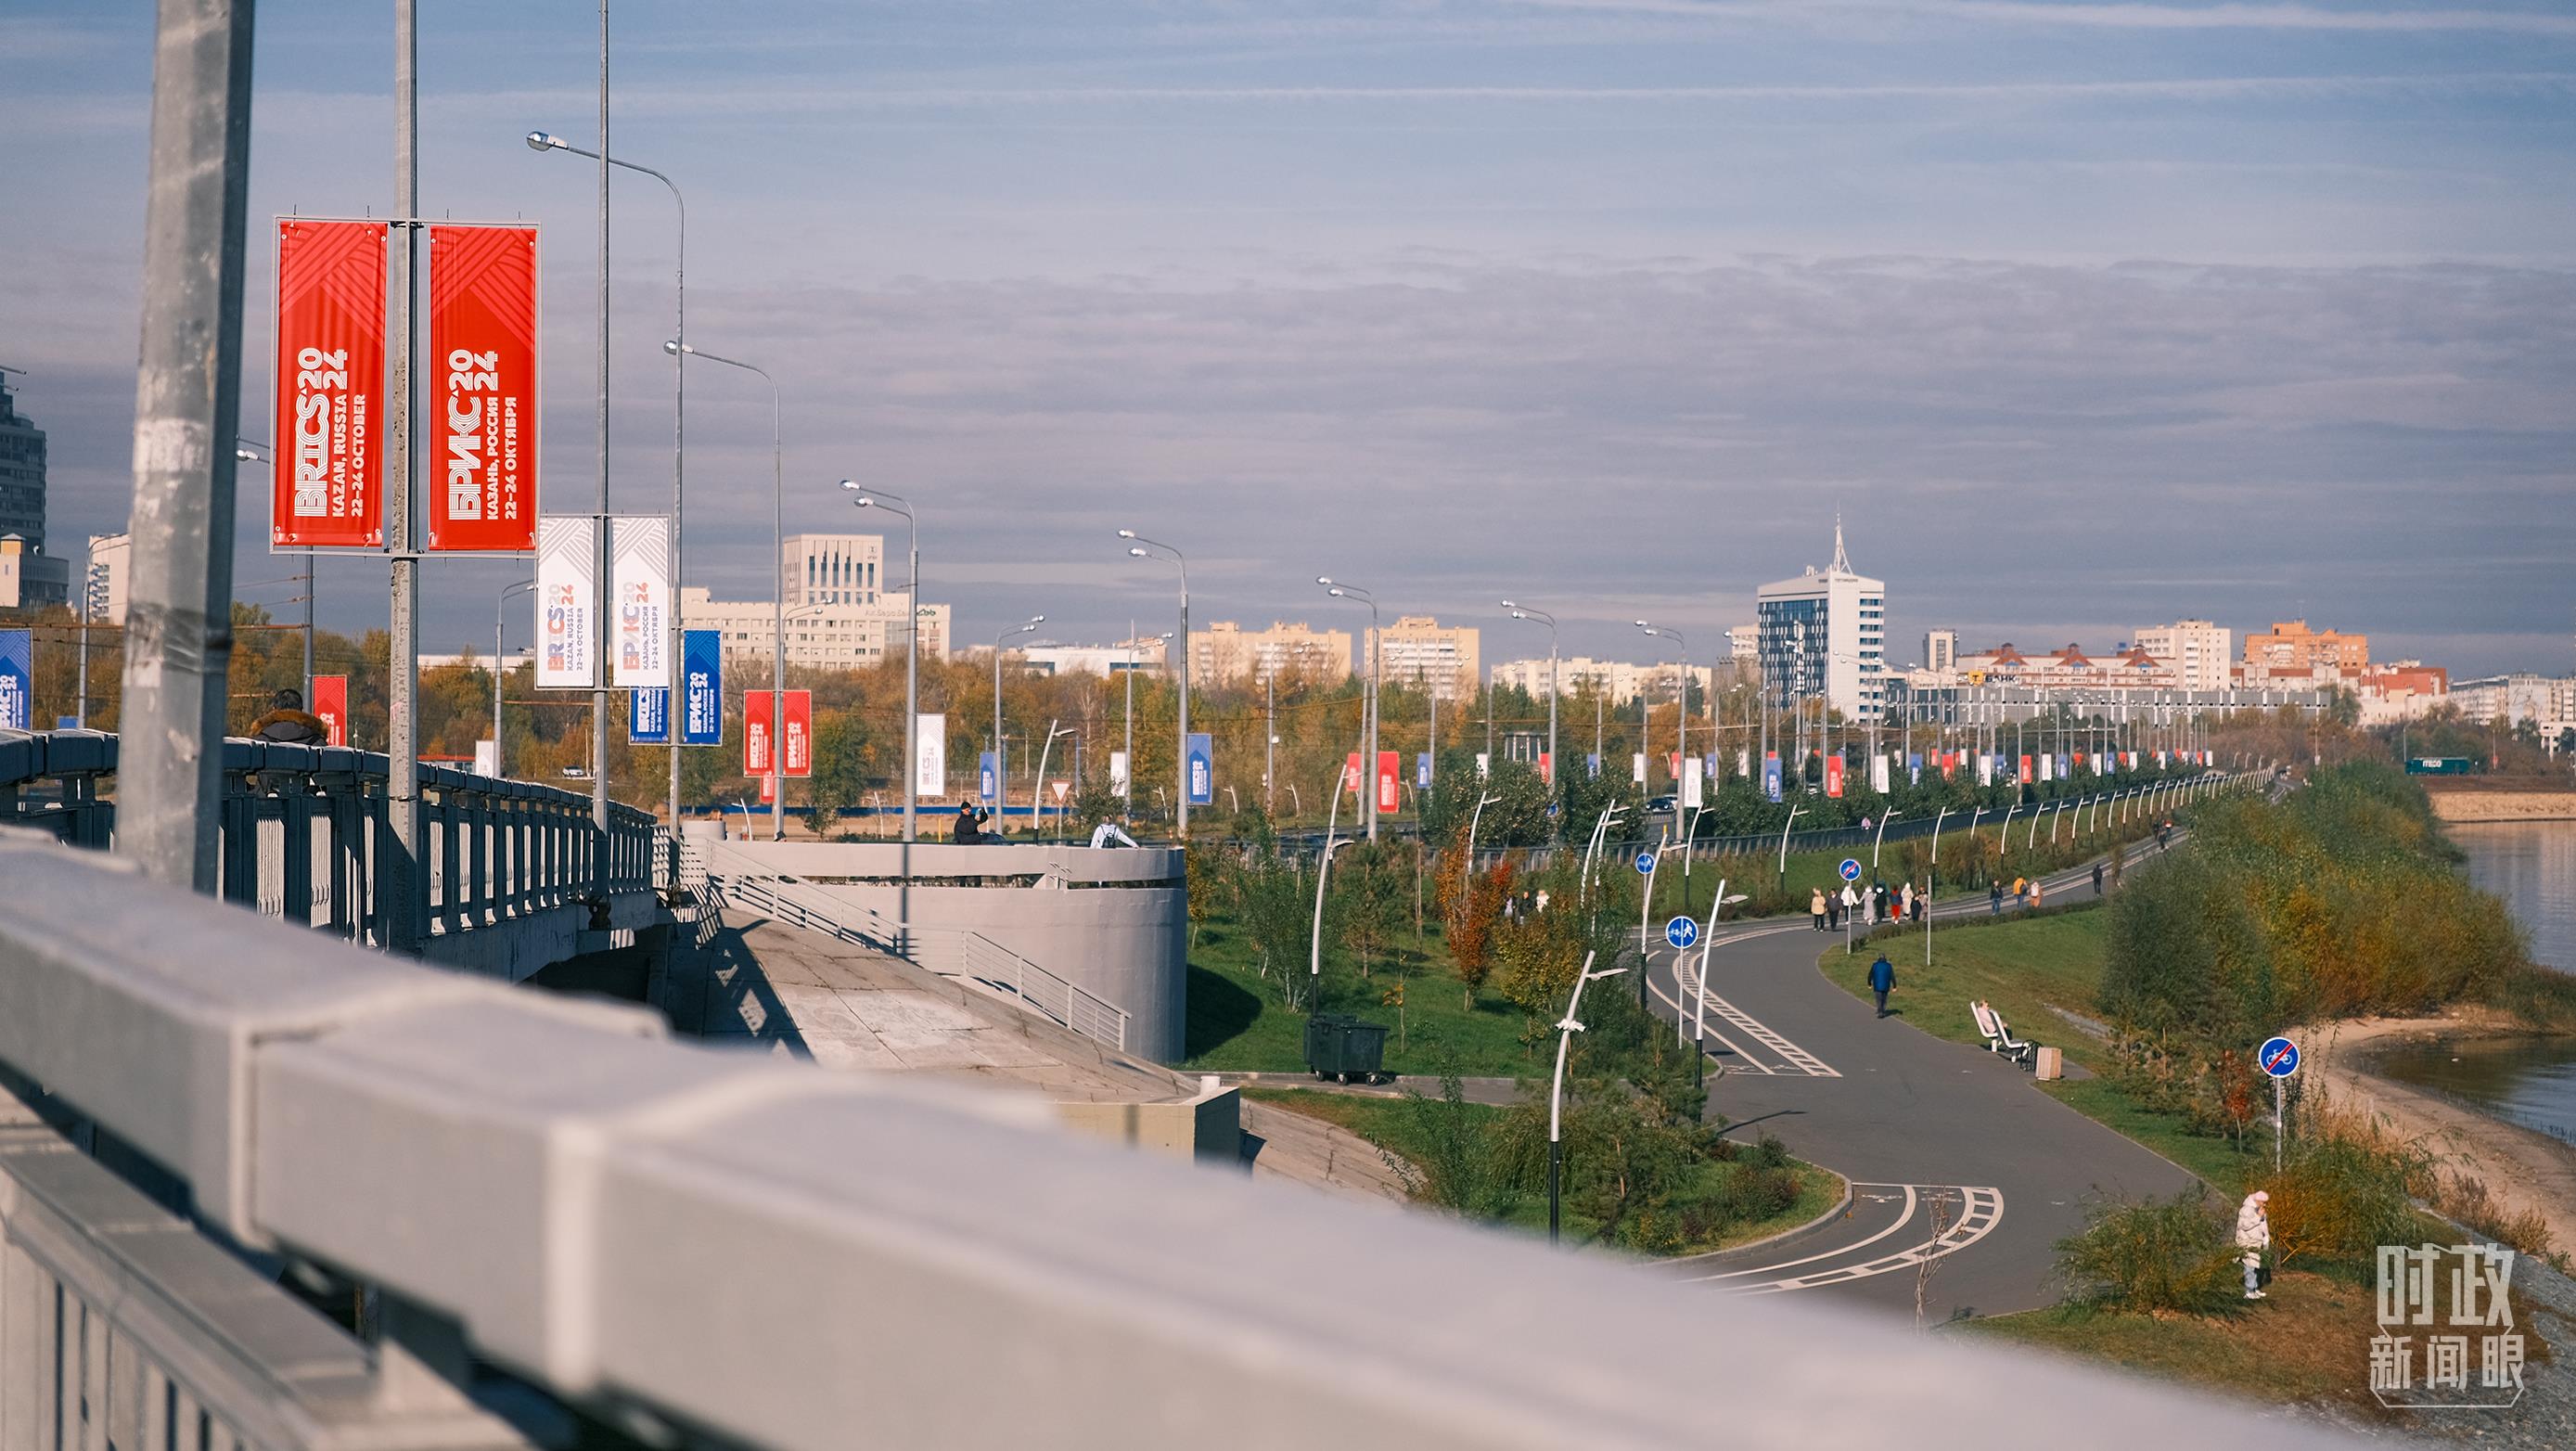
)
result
[(1681, 932), (1851, 869), (1646, 863), (2278, 1058)]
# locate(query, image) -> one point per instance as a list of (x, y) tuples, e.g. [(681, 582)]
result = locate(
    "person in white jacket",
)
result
[(2253, 1236)]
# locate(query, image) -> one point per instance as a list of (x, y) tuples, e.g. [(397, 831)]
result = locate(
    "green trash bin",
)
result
[(1339, 1045)]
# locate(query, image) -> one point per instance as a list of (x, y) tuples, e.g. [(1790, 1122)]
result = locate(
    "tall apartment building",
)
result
[(2198, 652), (840, 613), (1824, 635), (1744, 642), (1941, 650), (22, 473), (110, 555), (1225, 653), (2291, 648), (1417, 650)]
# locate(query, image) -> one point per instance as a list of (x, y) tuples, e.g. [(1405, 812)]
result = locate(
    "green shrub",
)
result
[(2339, 1198), (2152, 1255)]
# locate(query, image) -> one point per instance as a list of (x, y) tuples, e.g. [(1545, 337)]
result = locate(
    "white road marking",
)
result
[(1903, 1217), (1982, 1209)]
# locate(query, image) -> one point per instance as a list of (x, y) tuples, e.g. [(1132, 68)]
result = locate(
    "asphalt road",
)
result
[(1955, 1158)]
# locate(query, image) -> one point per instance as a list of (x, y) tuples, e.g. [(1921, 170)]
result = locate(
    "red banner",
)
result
[(1834, 775), (328, 471), (1351, 774), (2025, 770), (1546, 768), (482, 385), (800, 733), (331, 705), (1388, 797), (755, 733)]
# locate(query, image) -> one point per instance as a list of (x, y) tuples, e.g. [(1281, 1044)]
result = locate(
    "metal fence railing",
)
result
[(306, 834)]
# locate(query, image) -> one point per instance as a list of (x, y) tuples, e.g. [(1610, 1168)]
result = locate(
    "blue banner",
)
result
[(1202, 770), (648, 715), (702, 667), (1422, 771), (1771, 774), (991, 779), (1914, 767), (1592, 762), (2065, 771), (17, 680)]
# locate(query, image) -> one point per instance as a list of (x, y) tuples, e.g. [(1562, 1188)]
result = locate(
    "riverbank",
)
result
[(2524, 1171), (2479, 799)]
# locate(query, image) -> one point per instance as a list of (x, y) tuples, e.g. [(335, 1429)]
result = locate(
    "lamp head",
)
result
[(1520, 614), (1642, 625), (541, 141), (1126, 533), (675, 347), (1507, 604), (850, 484), (1323, 579), (863, 501), (1136, 550), (1335, 592), (248, 456), (1036, 620)]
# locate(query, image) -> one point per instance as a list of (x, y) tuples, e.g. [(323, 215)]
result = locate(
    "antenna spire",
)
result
[(1842, 564)]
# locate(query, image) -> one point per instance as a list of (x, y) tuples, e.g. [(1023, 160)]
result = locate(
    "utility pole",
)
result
[(406, 879), (187, 396), (605, 563)]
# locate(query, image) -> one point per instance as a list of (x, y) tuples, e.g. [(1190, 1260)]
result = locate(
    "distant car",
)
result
[(1660, 805)]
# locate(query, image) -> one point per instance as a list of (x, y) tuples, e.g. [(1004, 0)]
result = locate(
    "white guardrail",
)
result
[(768, 1253), (956, 952)]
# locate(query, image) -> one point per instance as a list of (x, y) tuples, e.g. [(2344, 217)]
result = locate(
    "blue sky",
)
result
[(2086, 316)]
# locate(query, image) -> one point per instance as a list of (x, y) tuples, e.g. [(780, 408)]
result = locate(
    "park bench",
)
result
[(1998, 1034)]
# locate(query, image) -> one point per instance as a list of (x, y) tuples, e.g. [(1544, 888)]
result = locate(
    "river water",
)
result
[(2532, 866)]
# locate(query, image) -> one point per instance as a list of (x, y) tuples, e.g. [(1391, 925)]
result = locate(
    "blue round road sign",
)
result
[(1851, 869), (2278, 1056), (1645, 863), (1681, 932)]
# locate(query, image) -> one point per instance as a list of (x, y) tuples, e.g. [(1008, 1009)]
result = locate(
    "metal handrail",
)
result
[(961, 953)]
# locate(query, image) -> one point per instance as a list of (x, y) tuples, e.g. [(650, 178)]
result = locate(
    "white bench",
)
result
[(1998, 1034)]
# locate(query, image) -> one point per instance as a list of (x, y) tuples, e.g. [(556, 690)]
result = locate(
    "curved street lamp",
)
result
[(897, 505), (1524, 612), (1376, 652), (1001, 796), (1141, 547)]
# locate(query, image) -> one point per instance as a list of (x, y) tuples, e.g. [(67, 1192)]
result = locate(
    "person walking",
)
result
[(2253, 1237), (1906, 912), (1816, 908), (1882, 981), (1850, 902), (1995, 897), (2034, 894), (2097, 879)]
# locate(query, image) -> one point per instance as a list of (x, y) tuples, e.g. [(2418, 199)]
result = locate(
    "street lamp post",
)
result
[(541, 142), (778, 613), (1141, 547), (1794, 813), (1001, 793), (1037, 788), (897, 505), (1555, 762), (1681, 704), (1699, 1001), (1566, 1028), (1368, 693), (500, 612)]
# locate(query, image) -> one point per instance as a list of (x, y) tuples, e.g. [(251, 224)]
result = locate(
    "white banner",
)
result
[(567, 602), (2046, 763), (640, 585), (1878, 774), (1482, 761), (1118, 774), (1744, 764), (930, 771), (1691, 772), (1985, 768), (1637, 768)]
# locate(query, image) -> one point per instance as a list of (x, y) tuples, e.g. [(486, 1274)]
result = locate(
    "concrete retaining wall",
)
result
[(2454, 805), (1114, 920), (1209, 1126)]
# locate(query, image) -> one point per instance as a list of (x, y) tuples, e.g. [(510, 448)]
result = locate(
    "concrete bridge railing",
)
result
[(724, 1248), (512, 872)]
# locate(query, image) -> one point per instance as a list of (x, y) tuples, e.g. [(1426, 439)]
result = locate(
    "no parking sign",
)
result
[(1851, 869)]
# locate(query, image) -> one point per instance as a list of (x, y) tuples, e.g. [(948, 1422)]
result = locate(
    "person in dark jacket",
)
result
[(966, 832), (1882, 981), (2097, 879), (289, 723), (1995, 897)]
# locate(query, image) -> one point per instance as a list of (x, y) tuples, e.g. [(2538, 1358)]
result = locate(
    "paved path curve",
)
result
[(1955, 1157)]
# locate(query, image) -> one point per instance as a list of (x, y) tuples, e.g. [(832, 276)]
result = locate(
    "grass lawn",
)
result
[(2308, 1344), (1236, 1023), (1384, 1122)]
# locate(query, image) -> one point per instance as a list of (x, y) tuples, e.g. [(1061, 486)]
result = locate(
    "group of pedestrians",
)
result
[(2026, 892), (1863, 906)]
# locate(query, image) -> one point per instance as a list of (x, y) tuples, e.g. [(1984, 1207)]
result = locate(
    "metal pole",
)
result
[(599, 657), (187, 393), (912, 688), (677, 688), (778, 632), (405, 879), (1128, 720), (1181, 821), (312, 587)]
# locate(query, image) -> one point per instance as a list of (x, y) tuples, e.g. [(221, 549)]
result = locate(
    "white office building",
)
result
[(1941, 651), (1615, 679), (1824, 634), (2202, 654), (840, 613)]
